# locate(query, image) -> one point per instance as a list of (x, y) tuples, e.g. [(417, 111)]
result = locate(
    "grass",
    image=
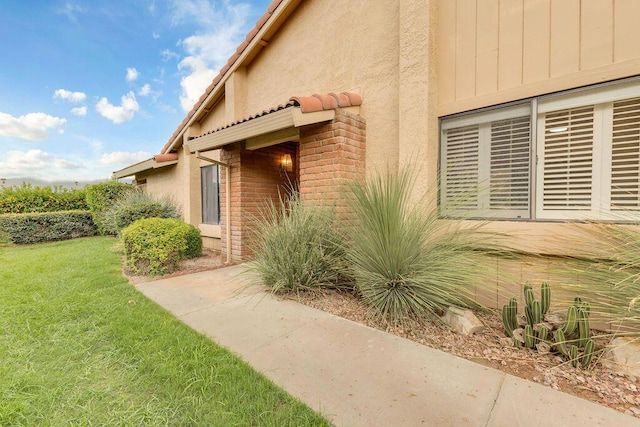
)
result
[(80, 346)]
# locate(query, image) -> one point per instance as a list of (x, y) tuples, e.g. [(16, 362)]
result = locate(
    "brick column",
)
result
[(330, 155)]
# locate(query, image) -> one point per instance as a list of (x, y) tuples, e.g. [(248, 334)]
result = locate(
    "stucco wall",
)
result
[(330, 47)]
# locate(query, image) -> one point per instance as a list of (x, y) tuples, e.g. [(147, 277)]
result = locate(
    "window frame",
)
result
[(602, 98), (206, 192)]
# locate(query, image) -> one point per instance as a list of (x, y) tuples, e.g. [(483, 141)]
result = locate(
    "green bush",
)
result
[(154, 246), (406, 261), (298, 247), (27, 199), (101, 197), (136, 205), (46, 227)]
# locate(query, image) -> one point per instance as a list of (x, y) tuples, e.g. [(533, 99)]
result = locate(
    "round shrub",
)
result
[(154, 246), (136, 205)]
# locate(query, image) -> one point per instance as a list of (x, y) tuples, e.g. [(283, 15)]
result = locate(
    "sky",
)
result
[(88, 87)]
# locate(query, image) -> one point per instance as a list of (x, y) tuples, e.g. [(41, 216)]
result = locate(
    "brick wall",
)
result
[(255, 179), (327, 155), (330, 154)]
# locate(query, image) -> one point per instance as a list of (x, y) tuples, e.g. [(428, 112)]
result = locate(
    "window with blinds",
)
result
[(625, 155), (486, 162), (586, 164)]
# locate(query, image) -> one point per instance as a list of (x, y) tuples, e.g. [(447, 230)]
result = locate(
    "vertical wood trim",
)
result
[(465, 52), (565, 37), (535, 61), (487, 47), (510, 44), (446, 51), (596, 33), (626, 30)]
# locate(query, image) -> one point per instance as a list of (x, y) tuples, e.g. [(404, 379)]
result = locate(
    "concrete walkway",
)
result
[(359, 376)]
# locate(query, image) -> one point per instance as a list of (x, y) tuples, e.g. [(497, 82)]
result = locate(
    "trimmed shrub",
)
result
[(298, 247), (46, 227), (136, 205), (27, 199), (101, 197), (154, 246)]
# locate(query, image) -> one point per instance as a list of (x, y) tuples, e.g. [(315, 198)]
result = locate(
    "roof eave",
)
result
[(279, 12)]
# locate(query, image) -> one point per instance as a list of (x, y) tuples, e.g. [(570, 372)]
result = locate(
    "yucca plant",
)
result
[(135, 205), (405, 260), (297, 246), (611, 279)]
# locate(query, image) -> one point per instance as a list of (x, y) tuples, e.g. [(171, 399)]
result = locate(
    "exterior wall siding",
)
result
[(498, 51)]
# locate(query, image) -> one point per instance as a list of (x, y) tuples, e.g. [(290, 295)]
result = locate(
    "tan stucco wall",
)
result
[(493, 51), (328, 47)]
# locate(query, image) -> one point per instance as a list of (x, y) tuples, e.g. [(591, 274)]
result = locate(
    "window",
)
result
[(570, 156), (210, 180)]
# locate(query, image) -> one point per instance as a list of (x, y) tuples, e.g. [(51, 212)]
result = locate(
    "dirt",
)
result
[(597, 384)]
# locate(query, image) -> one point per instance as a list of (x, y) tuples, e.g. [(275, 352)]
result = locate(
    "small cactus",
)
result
[(529, 337), (536, 312), (543, 333), (509, 320), (583, 328), (589, 349), (571, 323), (573, 355), (545, 298), (561, 342)]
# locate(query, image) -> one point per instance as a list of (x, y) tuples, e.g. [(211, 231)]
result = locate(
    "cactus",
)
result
[(589, 349), (528, 295), (536, 312), (529, 337), (573, 355), (583, 328), (561, 342), (572, 316), (543, 333), (545, 298), (509, 320)]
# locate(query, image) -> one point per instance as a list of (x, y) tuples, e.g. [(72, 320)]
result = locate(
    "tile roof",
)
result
[(307, 104), (239, 50)]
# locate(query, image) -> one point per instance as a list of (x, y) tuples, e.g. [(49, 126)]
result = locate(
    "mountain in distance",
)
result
[(17, 182)]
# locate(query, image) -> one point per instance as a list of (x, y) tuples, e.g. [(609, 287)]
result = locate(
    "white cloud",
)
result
[(79, 111), (223, 26), (119, 114), (20, 163), (32, 126), (168, 55), (70, 10), (145, 90), (155, 35), (132, 74), (65, 164), (67, 95), (124, 157)]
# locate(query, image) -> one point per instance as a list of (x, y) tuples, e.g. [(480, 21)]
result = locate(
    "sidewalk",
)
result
[(359, 376)]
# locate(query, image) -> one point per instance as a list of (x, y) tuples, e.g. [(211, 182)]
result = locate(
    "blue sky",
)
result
[(90, 86)]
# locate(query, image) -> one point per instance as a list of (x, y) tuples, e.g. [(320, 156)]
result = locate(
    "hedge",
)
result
[(27, 198), (47, 227), (101, 197), (154, 246)]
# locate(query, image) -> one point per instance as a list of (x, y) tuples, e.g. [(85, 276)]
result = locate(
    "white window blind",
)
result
[(486, 162), (625, 156)]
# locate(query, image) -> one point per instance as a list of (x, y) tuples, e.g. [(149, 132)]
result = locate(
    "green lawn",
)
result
[(80, 346)]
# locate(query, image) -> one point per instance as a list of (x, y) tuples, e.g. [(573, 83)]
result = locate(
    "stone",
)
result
[(462, 321), (623, 356)]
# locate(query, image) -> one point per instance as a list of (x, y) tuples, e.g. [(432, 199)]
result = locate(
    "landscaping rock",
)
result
[(462, 321), (623, 356)]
